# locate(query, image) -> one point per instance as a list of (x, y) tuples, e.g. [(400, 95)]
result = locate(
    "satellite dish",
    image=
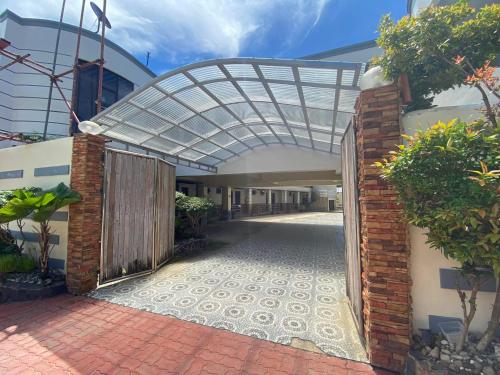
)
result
[(90, 127), (100, 16)]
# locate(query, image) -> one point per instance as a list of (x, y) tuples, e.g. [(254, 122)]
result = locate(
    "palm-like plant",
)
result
[(43, 204), (22, 206)]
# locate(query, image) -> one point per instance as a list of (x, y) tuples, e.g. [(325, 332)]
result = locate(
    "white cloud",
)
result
[(171, 29)]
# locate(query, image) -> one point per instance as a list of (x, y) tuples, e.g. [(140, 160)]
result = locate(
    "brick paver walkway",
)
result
[(80, 335)]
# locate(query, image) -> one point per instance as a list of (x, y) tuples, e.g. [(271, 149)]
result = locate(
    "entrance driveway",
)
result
[(278, 278), (79, 335)]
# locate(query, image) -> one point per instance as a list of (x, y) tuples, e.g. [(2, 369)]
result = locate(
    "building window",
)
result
[(114, 88), (185, 190)]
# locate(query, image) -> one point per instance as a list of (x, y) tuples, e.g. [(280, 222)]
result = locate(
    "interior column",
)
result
[(201, 190), (250, 192), (226, 202)]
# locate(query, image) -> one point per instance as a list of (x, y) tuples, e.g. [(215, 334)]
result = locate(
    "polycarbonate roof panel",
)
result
[(241, 132), (211, 111), (241, 70)]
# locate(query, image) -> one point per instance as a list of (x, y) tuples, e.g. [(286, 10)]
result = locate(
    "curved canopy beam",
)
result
[(212, 111)]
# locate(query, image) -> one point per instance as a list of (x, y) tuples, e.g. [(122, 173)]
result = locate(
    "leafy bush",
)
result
[(448, 179), (16, 263), (425, 47), (42, 204), (7, 242), (195, 208), (8, 263), (25, 264)]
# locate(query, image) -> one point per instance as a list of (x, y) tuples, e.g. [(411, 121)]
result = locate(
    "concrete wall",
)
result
[(212, 194), (430, 270), (432, 302), (43, 165), (281, 159), (363, 55)]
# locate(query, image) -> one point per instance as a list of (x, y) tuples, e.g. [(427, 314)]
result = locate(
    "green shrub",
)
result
[(425, 47), (448, 179), (8, 263), (42, 204), (25, 263), (195, 208), (7, 242), (16, 263)]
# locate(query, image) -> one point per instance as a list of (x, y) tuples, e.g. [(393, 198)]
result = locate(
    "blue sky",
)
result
[(178, 32), (341, 23)]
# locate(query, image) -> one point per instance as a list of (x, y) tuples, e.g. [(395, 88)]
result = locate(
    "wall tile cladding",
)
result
[(84, 229), (384, 241)]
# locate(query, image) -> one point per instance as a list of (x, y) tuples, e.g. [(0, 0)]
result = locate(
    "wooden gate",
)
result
[(351, 224), (165, 213), (138, 216)]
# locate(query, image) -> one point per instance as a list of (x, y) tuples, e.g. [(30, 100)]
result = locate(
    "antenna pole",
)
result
[(101, 61), (147, 58), (54, 62), (74, 94)]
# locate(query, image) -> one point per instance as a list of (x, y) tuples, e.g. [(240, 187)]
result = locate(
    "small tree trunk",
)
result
[(20, 225), (43, 241), (468, 312), (489, 334), (490, 114)]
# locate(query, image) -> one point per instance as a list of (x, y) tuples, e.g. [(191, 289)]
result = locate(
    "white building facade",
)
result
[(24, 92)]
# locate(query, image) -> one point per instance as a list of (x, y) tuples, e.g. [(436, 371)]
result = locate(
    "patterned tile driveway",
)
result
[(280, 277)]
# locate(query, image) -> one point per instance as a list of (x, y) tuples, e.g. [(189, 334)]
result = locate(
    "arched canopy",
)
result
[(212, 111)]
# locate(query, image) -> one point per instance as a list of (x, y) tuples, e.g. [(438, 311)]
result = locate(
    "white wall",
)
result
[(40, 155), (212, 194), (280, 159), (363, 55), (427, 295)]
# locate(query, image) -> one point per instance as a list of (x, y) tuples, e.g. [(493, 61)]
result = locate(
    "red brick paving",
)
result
[(79, 335)]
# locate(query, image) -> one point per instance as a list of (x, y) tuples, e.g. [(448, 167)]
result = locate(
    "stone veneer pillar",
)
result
[(85, 217), (384, 248)]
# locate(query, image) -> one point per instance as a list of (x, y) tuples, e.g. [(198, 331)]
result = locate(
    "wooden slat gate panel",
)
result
[(165, 213), (138, 218), (351, 224)]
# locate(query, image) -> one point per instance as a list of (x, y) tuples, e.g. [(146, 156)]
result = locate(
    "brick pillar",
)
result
[(85, 217), (384, 249)]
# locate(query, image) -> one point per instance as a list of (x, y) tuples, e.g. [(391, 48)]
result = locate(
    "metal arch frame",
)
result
[(243, 97)]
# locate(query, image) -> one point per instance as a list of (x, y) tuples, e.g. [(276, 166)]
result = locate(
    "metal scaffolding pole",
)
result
[(54, 62)]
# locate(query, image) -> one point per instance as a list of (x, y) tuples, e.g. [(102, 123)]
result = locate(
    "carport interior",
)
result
[(276, 278)]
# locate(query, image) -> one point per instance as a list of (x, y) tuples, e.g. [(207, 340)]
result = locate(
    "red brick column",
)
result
[(384, 249), (85, 217)]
